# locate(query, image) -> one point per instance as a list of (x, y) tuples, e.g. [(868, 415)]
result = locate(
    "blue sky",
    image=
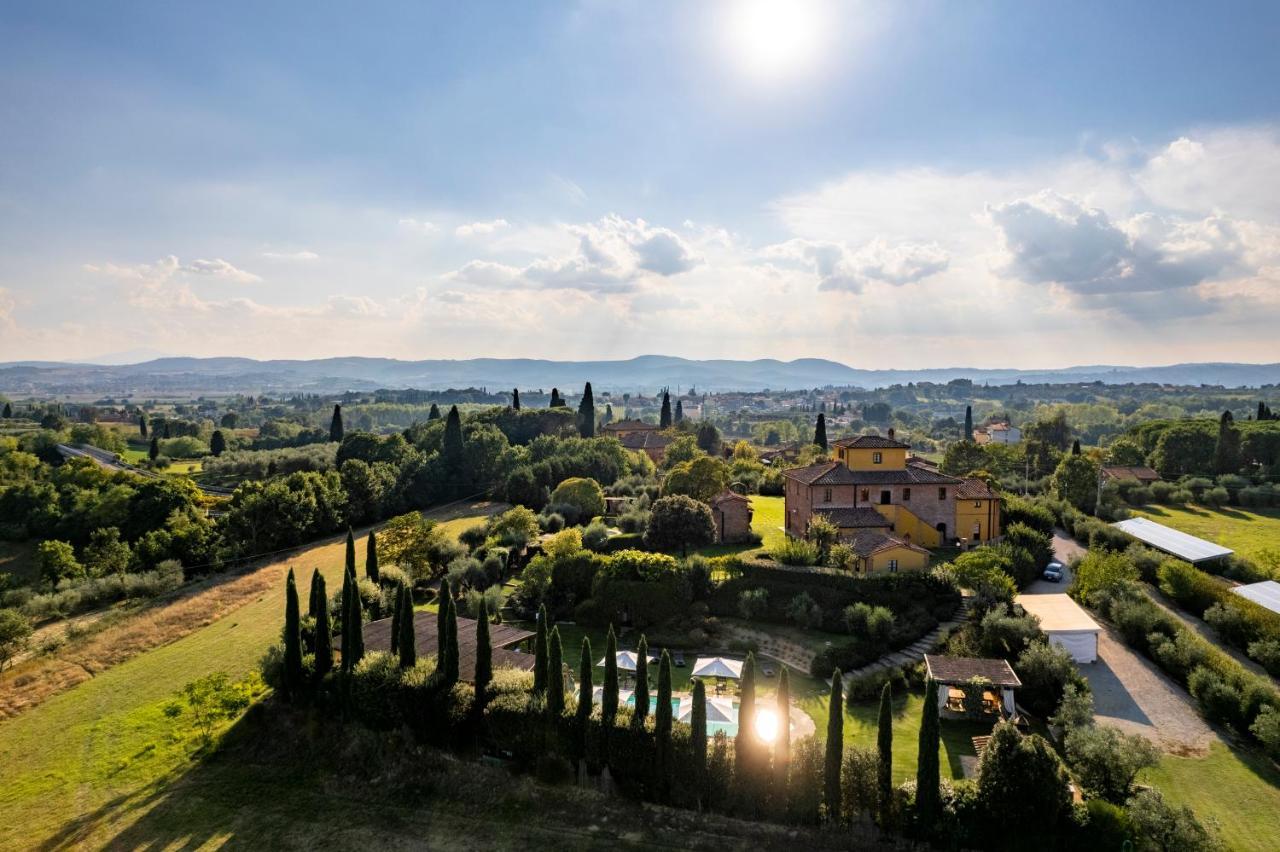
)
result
[(909, 184)]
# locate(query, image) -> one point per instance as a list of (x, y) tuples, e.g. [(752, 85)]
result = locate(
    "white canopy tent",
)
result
[(626, 661), (1172, 541), (717, 667), (1066, 624)]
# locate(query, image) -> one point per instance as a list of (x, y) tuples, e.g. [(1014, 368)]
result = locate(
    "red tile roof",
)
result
[(822, 473), (975, 489), (870, 442), (958, 670)]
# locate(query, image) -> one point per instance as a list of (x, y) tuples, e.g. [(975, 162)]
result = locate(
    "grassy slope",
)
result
[(101, 744), (1246, 531)]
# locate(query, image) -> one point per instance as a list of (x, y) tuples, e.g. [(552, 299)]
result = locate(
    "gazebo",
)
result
[(972, 687)]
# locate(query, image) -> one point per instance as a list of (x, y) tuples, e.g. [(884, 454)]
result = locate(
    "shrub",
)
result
[(1190, 587), (1106, 761), (678, 522), (873, 622), (753, 603), (582, 493), (804, 612), (552, 522), (595, 535), (796, 551), (1158, 825), (1045, 671)]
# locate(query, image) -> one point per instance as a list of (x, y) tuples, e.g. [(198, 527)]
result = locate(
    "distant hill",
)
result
[(645, 373)]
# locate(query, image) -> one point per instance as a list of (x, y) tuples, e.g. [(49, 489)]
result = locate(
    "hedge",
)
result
[(1238, 621)]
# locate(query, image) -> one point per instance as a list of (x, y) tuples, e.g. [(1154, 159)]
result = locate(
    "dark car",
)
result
[(1053, 572)]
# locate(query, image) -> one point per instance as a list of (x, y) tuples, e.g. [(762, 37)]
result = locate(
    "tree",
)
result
[(820, 432), (782, 745), (292, 640), (963, 457), (642, 684), (515, 399), (555, 674), (371, 558), (678, 523), (708, 438), (1076, 481), (351, 552), (453, 453), (679, 415), (335, 425), (701, 478), (928, 801), (396, 611), (484, 657), (451, 661), (609, 694), (884, 754), (313, 597), (585, 690), (1101, 571), (406, 643), (587, 413), (1106, 761), (142, 423), (217, 443), (582, 493), (664, 419), (968, 423), (1226, 453), (434, 413), (209, 700), (835, 748), (744, 742), (1168, 828), (1075, 447), (57, 561), (153, 452), (442, 634), (106, 554), (662, 725), (323, 641), (1022, 783), (15, 634), (556, 400), (540, 652), (352, 623), (698, 740)]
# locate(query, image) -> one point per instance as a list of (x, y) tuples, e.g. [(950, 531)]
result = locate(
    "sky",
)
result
[(910, 184)]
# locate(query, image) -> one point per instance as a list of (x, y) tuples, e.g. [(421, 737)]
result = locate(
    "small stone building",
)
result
[(732, 513)]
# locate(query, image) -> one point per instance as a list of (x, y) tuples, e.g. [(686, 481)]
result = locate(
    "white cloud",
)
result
[(219, 268), (478, 229), (169, 267), (300, 256), (839, 267), (418, 226)]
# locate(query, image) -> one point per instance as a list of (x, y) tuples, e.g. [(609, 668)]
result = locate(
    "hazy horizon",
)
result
[(888, 187)]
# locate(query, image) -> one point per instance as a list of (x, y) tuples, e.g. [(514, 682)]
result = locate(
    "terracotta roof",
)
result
[(975, 489), (911, 475), (958, 670), (869, 542), (919, 461), (644, 440), (377, 637), (630, 425), (728, 496), (870, 442), (862, 517), (1138, 472), (822, 473)]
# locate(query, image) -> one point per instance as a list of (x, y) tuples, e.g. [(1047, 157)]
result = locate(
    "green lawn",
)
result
[(1239, 789), (94, 752), (1249, 532), (767, 516)]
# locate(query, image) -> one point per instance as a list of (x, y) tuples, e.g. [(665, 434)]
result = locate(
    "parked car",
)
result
[(679, 660), (1053, 572)]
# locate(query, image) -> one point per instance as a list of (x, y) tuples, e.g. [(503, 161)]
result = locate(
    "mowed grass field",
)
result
[(1252, 533), (85, 764)]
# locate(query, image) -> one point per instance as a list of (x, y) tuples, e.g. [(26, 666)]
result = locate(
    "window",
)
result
[(865, 496), (877, 458), (942, 493), (977, 504), (893, 566), (886, 498), (906, 495), (826, 495)]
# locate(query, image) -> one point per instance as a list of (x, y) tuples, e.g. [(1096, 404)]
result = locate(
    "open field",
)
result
[(1251, 533)]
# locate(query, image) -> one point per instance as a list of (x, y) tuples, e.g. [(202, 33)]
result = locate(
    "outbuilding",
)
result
[(1066, 624), (1265, 594)]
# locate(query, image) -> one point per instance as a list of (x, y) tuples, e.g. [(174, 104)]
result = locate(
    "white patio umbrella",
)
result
[(718, 710), (717, 667), (624, 695), (626, 661)]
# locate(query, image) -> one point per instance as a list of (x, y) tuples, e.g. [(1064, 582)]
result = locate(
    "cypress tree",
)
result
[(642, 684), (608, 413), (217, 443), (357, 622), (968, 422), (335, 425), (609, 695), (484, 657), (442, 617), (395, 618), (782, 745), (434, 413), (835, 748), (408, 647), (451, 650), (664, 420), (351, 552), (585, 691), (1075, 447), (587, 413), (555, 674), (324, 631), (679, 418), (884, 749), (453, 453), (556, 401), (662, 725), (698, 741), (744, 744), (142, 419), (345, 608), (540, 652), (515, 399), (928, 801), (154, 450), (1226, 454), (371, 558), (292, 640), (820, 432), (166, 430), (313, 604)]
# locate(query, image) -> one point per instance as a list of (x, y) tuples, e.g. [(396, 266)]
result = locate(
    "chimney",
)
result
[(890, 433)]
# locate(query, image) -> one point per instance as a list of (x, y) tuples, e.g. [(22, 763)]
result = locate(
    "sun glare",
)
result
[(766, 726), (770, 39)]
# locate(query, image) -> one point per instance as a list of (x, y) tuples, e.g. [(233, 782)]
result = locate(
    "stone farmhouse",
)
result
[(869, 486)]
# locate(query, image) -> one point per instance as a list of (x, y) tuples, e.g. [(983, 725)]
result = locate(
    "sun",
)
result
[(773, 39), (766, 726)]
